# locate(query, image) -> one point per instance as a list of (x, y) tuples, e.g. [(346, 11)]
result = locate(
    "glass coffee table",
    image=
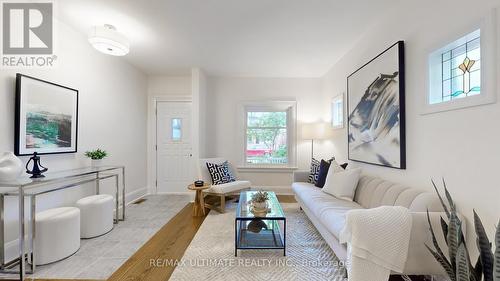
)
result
[(266, 231)]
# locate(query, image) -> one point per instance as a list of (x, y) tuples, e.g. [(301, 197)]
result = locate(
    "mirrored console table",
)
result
[(24, 187)]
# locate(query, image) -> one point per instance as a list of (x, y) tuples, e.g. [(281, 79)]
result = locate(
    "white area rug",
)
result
[(210, 256)]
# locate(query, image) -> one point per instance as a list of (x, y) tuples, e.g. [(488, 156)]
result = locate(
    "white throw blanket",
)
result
[(377, 242)]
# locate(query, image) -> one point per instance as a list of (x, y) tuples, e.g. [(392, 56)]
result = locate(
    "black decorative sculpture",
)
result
[(36, 172)]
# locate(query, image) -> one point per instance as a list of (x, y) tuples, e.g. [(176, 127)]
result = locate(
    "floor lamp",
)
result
[(314, 131)]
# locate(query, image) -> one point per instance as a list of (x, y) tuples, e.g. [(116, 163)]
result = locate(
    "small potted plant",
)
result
[(96, 156), (259, 200)]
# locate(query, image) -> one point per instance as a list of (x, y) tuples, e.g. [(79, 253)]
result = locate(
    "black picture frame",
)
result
[(20, 147), (399, 46)]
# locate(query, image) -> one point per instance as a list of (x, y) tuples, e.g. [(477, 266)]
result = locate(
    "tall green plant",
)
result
[(457, 264)]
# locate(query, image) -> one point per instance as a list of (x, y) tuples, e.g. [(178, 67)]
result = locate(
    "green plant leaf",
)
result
[(496, 264), (478, 269), (444, 263), (441, 199), (444, 227), (484, 246), (476, 89), (448, 196), (453, 238), (457, 93), (434, 240), (462, 271)]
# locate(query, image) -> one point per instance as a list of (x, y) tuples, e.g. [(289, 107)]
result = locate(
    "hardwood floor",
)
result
[(151, 261), (286, 198)]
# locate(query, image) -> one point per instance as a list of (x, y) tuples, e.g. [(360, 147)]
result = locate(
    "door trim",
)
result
[(153, 174)]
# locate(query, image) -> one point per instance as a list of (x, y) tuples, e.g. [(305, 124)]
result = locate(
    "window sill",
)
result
[(265, 169)]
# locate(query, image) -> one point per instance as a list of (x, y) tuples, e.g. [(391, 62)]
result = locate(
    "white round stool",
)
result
[(57, 234), (96, 215)]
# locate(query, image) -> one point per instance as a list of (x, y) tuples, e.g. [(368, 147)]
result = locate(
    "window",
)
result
[(176, 129), (269, 135), (460, 70), (463, 72), (267, 138), (338, 112)]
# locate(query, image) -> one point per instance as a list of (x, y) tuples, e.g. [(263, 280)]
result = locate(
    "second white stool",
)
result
[(96, 215)]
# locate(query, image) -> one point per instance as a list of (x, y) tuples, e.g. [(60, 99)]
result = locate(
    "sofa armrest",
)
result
[(300, 176), (420, 260)]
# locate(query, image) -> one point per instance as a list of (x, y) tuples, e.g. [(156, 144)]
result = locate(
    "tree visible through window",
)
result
[(266, 137)]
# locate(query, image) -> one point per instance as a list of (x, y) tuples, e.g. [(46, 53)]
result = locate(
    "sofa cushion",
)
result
[(329, 210), (229, 187), (373, 192)]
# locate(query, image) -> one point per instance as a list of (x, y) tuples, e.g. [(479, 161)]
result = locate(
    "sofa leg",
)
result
[(223, 204)]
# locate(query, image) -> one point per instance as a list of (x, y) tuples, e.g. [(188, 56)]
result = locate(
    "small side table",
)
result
[(199, 202)]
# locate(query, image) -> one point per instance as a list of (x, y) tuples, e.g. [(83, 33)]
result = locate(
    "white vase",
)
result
[(94, 163), (259, 205), (11, 167)]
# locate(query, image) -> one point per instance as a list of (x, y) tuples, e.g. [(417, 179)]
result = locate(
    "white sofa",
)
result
[(220, 190), (327, 213)]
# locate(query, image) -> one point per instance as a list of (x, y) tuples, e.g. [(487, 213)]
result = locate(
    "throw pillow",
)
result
[(323, 172), (336, 167), (220, 173), (342, 185), (314, 172)]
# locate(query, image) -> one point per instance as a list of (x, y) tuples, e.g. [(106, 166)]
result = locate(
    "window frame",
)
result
[(290, 107), (488, 42)]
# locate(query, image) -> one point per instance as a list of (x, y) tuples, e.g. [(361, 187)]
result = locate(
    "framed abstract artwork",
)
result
[(338, 112), (46, 117), (376, 110)]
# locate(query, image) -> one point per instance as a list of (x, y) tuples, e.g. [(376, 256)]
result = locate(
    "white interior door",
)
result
[(174, 146)]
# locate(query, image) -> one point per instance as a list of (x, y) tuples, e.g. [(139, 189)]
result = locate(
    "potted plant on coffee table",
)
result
[(259, 202)]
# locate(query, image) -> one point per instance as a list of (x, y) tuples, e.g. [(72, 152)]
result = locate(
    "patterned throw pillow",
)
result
[(314, 173), (315, 168), (220, 173)]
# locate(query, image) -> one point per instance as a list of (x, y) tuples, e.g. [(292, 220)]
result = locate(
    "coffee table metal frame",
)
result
[(240, 222)]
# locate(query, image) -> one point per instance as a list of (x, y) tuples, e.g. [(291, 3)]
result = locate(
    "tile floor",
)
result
[(99, 257)]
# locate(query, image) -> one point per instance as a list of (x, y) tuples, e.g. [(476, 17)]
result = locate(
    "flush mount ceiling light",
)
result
[(107, 40)]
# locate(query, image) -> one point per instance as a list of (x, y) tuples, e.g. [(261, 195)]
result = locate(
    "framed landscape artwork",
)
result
[(46, 117), (376, 110)]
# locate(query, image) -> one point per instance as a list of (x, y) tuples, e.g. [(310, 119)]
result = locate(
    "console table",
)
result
[(24, 187)]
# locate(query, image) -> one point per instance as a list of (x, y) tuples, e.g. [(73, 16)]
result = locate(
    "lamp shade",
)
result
[(316, 131), (109, 41)]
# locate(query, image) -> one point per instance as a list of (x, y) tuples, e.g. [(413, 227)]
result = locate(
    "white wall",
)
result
[(200, 95), (462, 145), (169, 85), (112, 116), (226, 94)]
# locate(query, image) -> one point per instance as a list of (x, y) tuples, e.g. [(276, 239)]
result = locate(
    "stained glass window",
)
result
[(460, 70)]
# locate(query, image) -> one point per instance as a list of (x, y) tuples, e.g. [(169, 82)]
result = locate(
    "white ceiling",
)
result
[(262, 38)]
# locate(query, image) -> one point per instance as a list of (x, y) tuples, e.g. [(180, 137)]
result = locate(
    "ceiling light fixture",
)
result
[(107, 40)]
